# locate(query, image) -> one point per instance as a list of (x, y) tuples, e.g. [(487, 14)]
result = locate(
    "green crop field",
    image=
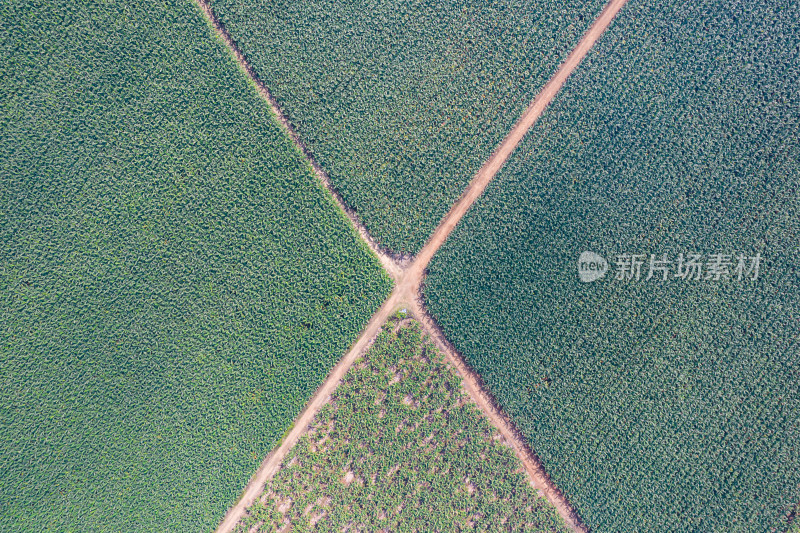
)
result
[(400, 448), (174, 282), (655, 405), (401, 102)]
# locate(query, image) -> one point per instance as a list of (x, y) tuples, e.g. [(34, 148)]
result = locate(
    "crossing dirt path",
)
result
[(408, 277)]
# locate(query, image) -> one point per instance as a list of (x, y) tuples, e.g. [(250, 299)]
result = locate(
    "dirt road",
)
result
[(512, 140), (391, 263), (408, 279), (271, 463)]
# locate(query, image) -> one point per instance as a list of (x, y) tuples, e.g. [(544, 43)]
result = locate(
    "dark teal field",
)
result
[(174, 282), (654, 405)]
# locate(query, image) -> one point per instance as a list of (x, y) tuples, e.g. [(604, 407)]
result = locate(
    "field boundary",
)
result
[(273, 460), (391, 262), (409, 273), (500, 155), (490, 408)]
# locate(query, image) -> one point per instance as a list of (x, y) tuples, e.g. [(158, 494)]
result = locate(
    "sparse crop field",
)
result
[(174, 282), (655, 405), (400, 448), (401, 102)]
